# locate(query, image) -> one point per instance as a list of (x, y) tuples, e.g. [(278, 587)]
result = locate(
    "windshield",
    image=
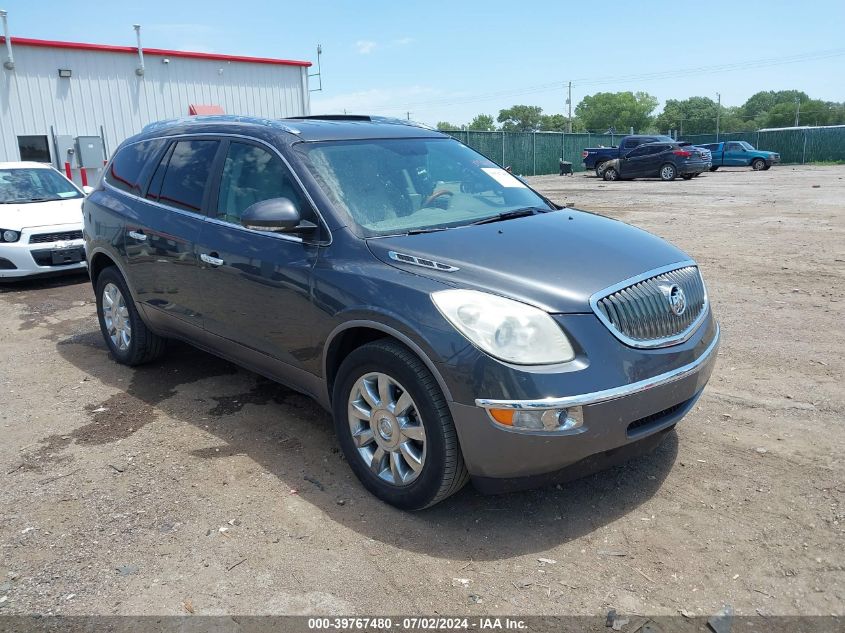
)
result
[(391, 186), (34, 185), (747, 146)]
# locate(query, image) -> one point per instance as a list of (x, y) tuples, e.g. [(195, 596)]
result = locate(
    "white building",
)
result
[(53, 93)]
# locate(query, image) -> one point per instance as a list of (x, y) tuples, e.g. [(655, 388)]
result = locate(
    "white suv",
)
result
[(40, 221)]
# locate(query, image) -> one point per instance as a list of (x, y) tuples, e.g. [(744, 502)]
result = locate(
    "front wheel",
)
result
[(668, 172), (395, 428), (714, 168), (758, 164), (600, 169), (611, 174), (128, 338)]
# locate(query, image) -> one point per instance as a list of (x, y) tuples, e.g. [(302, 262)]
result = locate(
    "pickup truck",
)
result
[(596, 157), (740, 154)]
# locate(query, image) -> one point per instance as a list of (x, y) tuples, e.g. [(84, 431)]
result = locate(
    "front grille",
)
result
[(69, 257), (641, 314), (643, 425), (63, 236)]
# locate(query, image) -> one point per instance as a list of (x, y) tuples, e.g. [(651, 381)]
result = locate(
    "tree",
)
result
[(445, 126), (695, 115), (521, 118), (761, 102), (553, 123), (619, 110), (482, 123)]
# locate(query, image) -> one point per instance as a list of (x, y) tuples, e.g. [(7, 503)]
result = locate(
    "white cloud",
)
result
[(365, 47)]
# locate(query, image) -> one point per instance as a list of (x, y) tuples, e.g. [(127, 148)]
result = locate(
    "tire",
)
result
[(714, 168), (136, 344), (689, 176), (767, 168), (600, 169), (610, 174), (426, 431), (668, 172), (758, 164)]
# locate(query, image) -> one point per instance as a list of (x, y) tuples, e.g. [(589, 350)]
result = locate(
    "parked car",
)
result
[(40, 222), (666, 161), (740, 154), (596, 158), (455, 322)]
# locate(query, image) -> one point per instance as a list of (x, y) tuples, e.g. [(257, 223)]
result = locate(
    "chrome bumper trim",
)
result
[(607, 394)]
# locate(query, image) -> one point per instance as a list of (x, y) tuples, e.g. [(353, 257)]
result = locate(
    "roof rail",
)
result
[(218, 118)]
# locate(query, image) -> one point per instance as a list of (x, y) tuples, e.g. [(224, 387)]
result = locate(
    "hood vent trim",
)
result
[(422, 262)]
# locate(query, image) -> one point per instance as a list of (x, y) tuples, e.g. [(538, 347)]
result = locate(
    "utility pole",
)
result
[(798, 111), (408, 115), (718, 113), (569, 104)]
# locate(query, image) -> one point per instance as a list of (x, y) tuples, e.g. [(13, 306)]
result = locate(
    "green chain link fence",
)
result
[(536, 153)]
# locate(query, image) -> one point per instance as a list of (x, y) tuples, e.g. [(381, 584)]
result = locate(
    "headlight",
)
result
[(11, 236), (505, 329)]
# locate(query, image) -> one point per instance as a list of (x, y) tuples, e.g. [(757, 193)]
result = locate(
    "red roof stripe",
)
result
[(107, 48)]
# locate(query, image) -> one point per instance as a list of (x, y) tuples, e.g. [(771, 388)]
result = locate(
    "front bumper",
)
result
[(617, 421), (25, 259)]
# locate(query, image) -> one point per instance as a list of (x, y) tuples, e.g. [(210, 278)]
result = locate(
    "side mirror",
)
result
[(87, 190), (278, 215)]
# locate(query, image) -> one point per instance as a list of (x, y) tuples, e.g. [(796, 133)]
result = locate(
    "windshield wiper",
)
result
[(433, 229), (510, 215), (28, 200)]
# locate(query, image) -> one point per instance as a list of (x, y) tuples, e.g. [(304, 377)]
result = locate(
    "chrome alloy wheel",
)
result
[(667, 172), (116, 317), (386, 428)]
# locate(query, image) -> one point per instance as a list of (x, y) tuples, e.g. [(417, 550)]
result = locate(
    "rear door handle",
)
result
[(135, 235), (210, 259)]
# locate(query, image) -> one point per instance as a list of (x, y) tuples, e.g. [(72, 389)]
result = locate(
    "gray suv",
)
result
[(456, 323)]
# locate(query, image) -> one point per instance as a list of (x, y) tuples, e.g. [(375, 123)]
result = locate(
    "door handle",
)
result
[(136, 235), (210, 259)]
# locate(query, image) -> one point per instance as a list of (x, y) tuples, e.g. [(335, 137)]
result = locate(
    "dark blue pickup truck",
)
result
[(596, 157)]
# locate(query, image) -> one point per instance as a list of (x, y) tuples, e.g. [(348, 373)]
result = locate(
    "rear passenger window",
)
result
[(127, 167), (186, 168), (252, 174)]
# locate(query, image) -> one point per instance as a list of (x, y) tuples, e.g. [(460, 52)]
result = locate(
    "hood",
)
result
[(554, 261), (22, 216)]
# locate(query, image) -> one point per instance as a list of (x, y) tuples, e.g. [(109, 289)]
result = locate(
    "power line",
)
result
[(599, 81)]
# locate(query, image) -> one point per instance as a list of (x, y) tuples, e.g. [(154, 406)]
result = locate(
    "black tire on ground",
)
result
[(689, 176), (610, 174), (144, 345), (668, 172), (443, 471), (767, 167), (600, 169), (758, 164), (714, 168)]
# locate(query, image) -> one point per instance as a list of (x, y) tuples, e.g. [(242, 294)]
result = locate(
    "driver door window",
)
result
[(252, 174)]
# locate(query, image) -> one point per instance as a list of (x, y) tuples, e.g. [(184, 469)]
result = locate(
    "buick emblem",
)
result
[(677, 300)]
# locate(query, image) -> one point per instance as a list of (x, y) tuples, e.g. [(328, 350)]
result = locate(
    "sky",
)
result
[(448, 61)]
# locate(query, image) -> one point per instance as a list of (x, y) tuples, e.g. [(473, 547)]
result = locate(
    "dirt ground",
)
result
[(194, 486)]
